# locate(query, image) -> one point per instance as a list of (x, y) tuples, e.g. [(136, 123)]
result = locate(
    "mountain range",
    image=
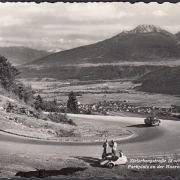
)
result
[(145, 43), (21, 55)]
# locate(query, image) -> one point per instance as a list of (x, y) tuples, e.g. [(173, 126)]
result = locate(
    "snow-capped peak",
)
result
[(144, 29)]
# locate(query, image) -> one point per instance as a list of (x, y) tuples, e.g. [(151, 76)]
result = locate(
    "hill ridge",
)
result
[(143, 43), (18, 55)]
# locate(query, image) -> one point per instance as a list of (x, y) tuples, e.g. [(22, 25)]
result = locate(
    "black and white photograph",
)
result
[(89, 90)]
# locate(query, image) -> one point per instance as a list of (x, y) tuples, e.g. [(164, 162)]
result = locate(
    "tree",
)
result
[(8, 74), (55, 101), (72, 103), (39, 102)]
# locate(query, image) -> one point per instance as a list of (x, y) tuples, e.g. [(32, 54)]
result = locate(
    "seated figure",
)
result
[(120, 153)]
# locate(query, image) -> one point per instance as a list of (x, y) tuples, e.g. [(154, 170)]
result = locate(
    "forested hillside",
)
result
[(165, 80), (106, 72)]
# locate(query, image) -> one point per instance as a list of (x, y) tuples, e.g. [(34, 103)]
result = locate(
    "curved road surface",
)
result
[(148, 141)]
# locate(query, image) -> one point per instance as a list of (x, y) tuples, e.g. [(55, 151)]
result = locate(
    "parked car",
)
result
[(110, 161), (152, 121)]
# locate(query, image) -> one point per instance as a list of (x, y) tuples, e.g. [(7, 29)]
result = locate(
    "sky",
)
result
[(61, 26)]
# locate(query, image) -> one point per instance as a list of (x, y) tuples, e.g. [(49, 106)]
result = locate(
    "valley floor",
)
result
[(99, 91)]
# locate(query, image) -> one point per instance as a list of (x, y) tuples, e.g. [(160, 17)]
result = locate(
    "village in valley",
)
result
[(108, 107), (115, 98)]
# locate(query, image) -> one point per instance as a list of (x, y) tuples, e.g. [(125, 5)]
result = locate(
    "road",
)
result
[(147, 141)]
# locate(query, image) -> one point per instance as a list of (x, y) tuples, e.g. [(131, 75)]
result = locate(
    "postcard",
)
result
[(89, 90)]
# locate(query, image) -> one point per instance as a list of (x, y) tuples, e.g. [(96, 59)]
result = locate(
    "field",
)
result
[(95, 91)]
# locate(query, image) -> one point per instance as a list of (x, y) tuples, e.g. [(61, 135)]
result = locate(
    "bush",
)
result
[(49, 106), (89, 112), (23, 92), (38, 104), (60, 118)]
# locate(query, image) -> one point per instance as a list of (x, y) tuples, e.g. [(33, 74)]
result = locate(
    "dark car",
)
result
[(152, 121)]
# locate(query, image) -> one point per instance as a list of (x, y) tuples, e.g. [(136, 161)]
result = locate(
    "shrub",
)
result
[(49, 106), (88, 112), (38, 102), (60, 118), (23, 92)]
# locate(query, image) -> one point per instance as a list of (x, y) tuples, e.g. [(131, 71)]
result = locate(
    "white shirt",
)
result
[(114, 146)]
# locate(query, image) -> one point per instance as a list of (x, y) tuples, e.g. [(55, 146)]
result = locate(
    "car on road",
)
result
[(152, 121)]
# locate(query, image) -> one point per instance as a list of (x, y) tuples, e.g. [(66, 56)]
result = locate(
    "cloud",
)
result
[(159, 13), (10, 21), (67, 25)]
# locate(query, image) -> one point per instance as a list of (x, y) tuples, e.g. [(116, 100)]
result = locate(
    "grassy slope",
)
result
[(39, 128)]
